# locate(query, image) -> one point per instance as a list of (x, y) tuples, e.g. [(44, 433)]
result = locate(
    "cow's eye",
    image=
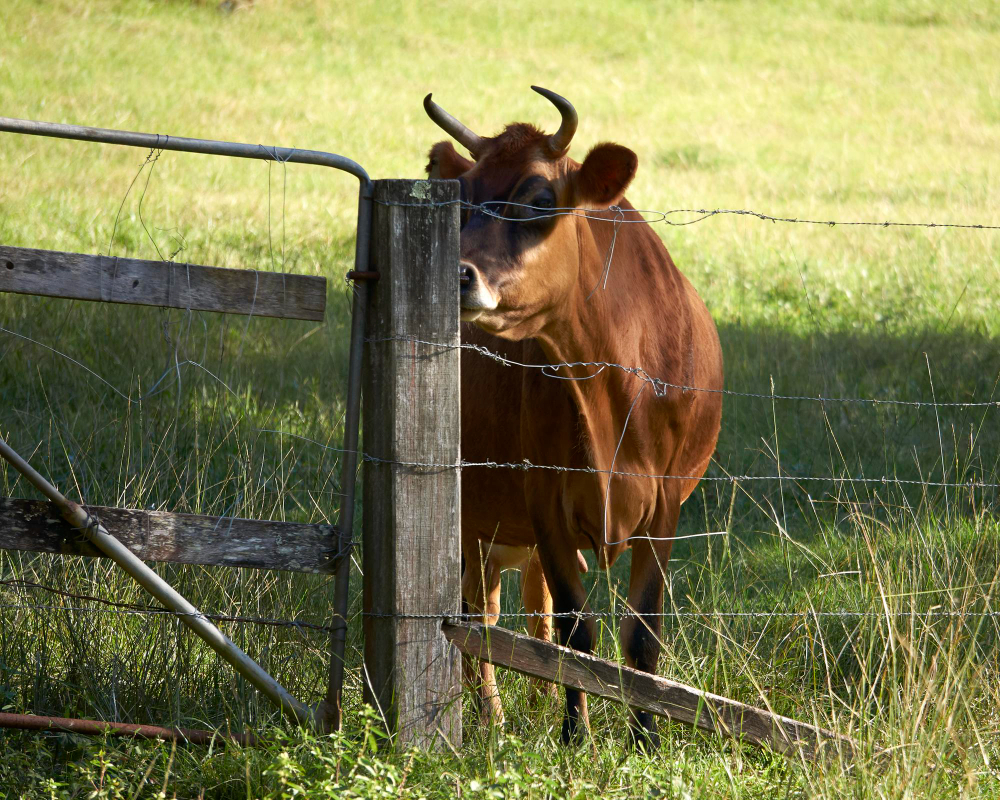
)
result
[(543, 201)]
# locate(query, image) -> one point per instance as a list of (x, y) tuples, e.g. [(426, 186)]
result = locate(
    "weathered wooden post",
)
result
[(412, 560)]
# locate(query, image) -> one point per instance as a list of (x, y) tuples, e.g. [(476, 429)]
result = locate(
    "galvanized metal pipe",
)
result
[(163, 141), (349, 463), (90, 527), (96, 727)]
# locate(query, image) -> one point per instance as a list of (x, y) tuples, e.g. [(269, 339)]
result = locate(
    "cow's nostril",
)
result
[(465, 275)]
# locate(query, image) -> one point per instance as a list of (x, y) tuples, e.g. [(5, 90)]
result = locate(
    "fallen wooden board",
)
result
[(51, 273), (178, 538), (647, 692)]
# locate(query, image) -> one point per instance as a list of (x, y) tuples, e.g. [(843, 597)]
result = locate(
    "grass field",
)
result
[(838, 110)]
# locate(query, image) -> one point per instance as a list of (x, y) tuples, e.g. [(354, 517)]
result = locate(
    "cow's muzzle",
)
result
[(476, 296)]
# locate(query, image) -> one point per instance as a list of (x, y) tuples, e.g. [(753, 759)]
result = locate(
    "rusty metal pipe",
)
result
[(95, 727), (90, 527)]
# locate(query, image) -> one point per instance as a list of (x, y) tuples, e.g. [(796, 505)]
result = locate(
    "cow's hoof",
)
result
[(568, 731), (643, 735), (492, 719), (541, 693), (573, 733)]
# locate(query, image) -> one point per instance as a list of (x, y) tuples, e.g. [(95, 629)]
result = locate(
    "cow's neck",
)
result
[(632, 311), (602, 401)]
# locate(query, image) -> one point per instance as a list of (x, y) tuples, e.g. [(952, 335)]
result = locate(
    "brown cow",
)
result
[(540, 289)]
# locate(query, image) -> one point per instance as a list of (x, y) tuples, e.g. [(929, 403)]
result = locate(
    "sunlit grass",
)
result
[(866, 608)]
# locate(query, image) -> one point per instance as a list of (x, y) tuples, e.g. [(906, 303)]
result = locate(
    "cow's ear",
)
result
[(605, 174), (444, 162)]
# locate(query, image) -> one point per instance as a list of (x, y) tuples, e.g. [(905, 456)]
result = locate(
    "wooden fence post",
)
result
[(411, 546)]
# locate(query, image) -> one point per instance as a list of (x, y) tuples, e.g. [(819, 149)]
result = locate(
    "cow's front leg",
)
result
[(640, 631), (481, 591), (561, 566)]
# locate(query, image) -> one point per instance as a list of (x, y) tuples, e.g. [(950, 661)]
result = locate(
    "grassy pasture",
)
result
[(864, 110)]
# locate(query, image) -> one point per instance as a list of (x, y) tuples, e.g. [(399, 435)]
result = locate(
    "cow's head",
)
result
[(521, 261)]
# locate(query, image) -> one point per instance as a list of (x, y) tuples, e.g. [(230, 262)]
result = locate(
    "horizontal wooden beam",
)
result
[(76, 276), (178, 538), (647, 692)]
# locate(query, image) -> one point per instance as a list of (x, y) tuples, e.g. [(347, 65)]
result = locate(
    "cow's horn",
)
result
[(473, 142), (559, 141)]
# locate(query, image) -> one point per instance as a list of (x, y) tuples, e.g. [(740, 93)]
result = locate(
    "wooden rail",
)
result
[(661, 696), (51, 273), (178, 538)]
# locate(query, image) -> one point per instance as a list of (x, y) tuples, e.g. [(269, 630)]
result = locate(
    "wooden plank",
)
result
[(710, 712), (51, 273), (412, 563), (37, 526)]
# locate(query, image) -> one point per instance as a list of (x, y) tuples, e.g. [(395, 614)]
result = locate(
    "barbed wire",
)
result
[(685, 614), (118, 607), (523, 615), (278, 623), (489, 207), (526, 465), (660, 386)]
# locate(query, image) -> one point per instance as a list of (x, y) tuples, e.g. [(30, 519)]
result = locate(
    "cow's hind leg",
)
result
[(481, 592), (640, 631), (537, 601)]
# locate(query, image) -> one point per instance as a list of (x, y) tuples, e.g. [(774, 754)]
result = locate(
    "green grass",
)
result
[(865, 110)]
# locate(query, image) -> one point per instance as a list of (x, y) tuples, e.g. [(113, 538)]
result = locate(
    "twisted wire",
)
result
[(489, 209), (660, 386)]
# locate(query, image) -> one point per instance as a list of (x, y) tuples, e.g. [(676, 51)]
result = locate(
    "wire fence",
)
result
[(556, 371), (114, 607), (659, 386), (588, 370)]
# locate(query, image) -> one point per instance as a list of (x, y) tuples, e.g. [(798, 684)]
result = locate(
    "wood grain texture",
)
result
[(37, 526), (412, 561), (51, 273), (710, 712)]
